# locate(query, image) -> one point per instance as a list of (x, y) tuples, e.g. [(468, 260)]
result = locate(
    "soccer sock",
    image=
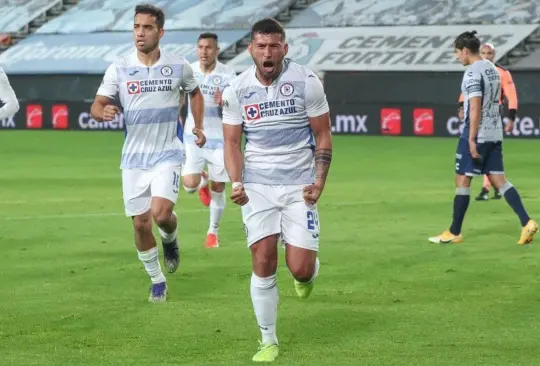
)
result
[(265, 297), (204, 181), (511, 195), (151, 263), (315, 270), (461, 203), (487, 183), (168, 237), (217, 206)]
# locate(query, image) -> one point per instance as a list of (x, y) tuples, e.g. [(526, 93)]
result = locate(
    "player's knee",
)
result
[(218, 187), (142, 224), (264, 264), (302, 272), (191, 183), (162, 218), (190, 189)]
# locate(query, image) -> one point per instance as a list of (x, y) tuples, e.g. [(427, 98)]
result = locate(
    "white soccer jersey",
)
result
[(7, 96), (280, 144), (218, 79), (150, 97), (482, 79)]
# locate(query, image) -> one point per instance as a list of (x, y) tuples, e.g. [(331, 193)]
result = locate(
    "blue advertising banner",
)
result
[(93, 53)]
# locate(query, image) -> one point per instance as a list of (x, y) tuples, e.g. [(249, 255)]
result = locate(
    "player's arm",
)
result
[(232, 135), (196, 99), (319, 120), (8, 97), (509, 89), (183, 107), (473, 86), (461, 113), (102, 109)]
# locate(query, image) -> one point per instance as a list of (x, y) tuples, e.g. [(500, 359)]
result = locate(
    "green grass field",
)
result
[(72, 291)]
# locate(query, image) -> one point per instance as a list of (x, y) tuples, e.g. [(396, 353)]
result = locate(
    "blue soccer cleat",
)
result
[(171, 256), (158, 292)]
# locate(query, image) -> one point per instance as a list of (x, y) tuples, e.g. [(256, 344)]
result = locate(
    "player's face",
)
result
[(146, 33), (462, 56), (268, 52), (207, 51), (487, 53)]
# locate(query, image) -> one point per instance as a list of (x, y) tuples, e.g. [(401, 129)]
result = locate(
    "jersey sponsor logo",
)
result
[(423, 121), (286, 89), (133, 87), (391, 121), (252, 112), (249, 95), (166, 71), (34, 116), (216, 80), (60, 116)]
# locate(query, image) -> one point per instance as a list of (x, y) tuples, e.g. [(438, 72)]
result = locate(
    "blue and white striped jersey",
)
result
[(279, 141), (150, 97), (481, 79), (218, 79)]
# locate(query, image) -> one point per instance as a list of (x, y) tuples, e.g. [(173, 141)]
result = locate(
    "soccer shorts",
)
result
[(280, 209), (140, 185), (491, 162), (196, 158)]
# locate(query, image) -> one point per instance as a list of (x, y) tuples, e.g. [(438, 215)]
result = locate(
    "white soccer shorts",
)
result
[(280, 209), (196, 158), (140, 185)]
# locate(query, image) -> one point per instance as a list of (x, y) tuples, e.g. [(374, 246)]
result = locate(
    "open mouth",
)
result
[(268, 66)]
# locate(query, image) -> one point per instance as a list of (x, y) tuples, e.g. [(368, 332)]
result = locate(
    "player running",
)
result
[(148, 82), (487, 51), (479, 149), (282, 109), (8, 97), (213, 77)]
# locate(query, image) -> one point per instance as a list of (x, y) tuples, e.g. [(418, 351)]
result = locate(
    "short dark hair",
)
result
[(468, 40), (268, 26), (152, 10), (208, 35)]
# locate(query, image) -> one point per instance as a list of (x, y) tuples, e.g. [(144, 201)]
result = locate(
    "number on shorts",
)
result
[(176, 180), (312, 220)]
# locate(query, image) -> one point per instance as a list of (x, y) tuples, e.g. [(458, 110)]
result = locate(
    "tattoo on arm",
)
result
[(323, 158)]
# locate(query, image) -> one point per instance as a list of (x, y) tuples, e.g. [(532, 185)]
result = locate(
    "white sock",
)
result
[(204, 182), (151, 264), (316, 269), (169, 237), (217, 206), (265, 297)]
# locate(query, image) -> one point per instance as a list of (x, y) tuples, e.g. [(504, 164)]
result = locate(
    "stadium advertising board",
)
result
[(94, 52), (399, 48)]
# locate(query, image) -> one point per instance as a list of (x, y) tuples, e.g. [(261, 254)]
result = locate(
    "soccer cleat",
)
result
[(266, 353), (527, 233), (171, 255), (497, 195), (483, 196), (446, 238), (303, 290), (212, 241), (204, 193), (158, 292)]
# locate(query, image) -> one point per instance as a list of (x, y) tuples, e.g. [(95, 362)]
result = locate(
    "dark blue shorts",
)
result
[(491, 162)]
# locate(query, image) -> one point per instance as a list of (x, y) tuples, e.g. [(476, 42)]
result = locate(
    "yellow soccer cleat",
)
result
[(527, 233), (446, 238), (303, 290), (266, 353)]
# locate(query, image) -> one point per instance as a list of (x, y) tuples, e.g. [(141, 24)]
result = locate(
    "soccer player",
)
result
[(282, 109), (148, 83), (487, 51), (213, 77), (479, 150), (7, 96)]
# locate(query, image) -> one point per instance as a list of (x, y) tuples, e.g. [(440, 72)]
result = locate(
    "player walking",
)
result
[(212, 77), (282, 109), (480, 147), (148, 82)]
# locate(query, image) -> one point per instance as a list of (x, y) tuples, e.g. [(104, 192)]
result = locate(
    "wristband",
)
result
[(236, 185)]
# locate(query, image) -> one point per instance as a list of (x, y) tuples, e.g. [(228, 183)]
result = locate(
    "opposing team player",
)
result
[(148, 83), (479, 149), (487, 51), (213, 77), (282, 109), (8, 97)]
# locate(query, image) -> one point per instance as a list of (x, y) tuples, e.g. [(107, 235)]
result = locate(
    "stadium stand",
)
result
[(117, 15)]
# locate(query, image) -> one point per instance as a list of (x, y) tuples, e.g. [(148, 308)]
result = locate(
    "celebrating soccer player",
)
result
[(213, 77), (148, 82), (282, 109), (479, 149)]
